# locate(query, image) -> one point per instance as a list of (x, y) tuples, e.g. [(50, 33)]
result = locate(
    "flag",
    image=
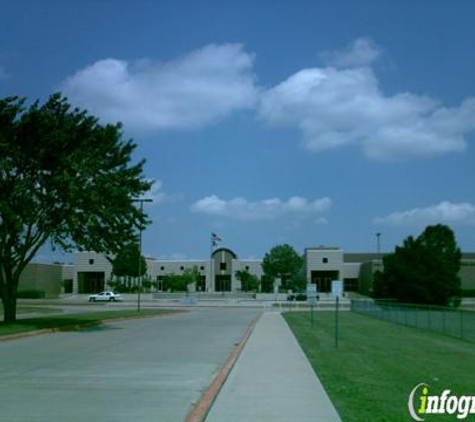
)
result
[(215, 239)]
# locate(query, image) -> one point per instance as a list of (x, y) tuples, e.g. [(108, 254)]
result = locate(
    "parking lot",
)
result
[(146, 370)]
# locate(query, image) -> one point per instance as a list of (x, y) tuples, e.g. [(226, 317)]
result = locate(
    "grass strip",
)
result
[(370, 375), (73, 320)]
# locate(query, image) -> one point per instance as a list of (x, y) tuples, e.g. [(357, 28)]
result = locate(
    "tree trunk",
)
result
[(9, 291), (9, 309)]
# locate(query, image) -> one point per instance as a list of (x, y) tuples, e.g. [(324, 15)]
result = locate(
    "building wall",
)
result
[(253, 266), (365, 278), (67, 271), (323, 259), (97, 263), (90, 262), (222, 261), (350, 270), (467, 274), (360, 266), (360, 257), (44, 277), (160, 268)]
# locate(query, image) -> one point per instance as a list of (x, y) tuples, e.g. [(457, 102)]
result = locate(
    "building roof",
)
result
[(323, 248), (224, 250)]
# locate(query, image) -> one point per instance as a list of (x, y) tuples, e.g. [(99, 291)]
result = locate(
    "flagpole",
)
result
[(210, 266), (214, 242)]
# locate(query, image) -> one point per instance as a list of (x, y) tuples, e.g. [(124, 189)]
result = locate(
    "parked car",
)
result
[(105, 297)]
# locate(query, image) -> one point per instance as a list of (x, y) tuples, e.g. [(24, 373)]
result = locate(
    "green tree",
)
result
[(424, 270), (281, 262), (298, 282), (180, 282), (66, 179), (190, 276), (267, 284), (249, 282), (126, 262)]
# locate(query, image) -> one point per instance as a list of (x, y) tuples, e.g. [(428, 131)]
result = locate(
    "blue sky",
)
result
[(301, 122)]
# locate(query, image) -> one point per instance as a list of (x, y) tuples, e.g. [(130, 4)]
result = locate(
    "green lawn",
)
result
[(370, 376), (86, 319)]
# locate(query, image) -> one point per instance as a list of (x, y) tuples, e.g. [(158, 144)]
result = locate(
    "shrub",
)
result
[(468, 293), (68, 285), (31, 294)]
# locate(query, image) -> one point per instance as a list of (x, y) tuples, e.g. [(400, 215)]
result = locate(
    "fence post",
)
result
[(336, 323), (443, 321)]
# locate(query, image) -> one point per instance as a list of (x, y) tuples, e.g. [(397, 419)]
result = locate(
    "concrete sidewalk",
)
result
[(272, 381)]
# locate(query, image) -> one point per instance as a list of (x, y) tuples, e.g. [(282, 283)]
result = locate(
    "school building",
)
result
[(323, 264)]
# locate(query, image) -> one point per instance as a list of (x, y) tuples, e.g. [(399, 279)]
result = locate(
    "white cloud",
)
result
[(361, 52), (155, 193), (195, 90), (158, 196), (267, 209), (444, 212), (334, 107)]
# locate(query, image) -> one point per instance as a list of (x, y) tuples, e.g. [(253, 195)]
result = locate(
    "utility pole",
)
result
[(141, 200), (378, 244)]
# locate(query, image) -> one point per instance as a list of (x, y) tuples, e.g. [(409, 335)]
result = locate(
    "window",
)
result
[(160, 283), (325, 260), (247, 267), (162, 268), (222, 266), (351, 284), (91, 262), (182, 268), (201, 284), (202, 268)]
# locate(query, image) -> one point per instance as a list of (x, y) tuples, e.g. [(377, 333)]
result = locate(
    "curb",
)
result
[(201, 409), (76, 327)]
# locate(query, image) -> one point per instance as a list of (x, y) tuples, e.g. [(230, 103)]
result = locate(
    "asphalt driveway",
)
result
[(135, 370)]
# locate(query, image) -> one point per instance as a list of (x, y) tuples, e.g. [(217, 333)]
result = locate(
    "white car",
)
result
[(105, 297)]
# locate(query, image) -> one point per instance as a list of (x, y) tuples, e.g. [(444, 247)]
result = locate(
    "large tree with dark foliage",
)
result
[(126, 262), (424, 270), (64, 179), (281, 262)]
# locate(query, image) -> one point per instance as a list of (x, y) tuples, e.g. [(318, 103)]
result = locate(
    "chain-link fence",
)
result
[(448, 321)]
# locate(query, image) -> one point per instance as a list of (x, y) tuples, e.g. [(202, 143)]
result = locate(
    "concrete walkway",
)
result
[(272, 381)]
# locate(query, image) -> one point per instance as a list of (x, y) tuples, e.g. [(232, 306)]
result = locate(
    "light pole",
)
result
[(141, 200), (378, 244), (378, 247)]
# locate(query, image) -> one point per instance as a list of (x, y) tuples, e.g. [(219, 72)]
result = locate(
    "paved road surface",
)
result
[(136, 370)]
